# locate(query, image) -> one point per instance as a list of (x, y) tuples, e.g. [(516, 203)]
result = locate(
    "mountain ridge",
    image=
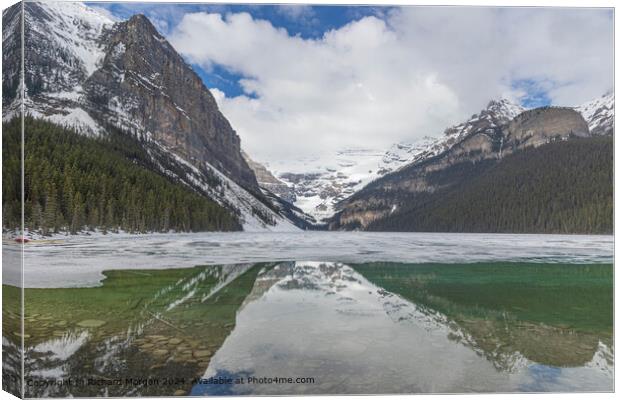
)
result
[(599, 114), (88, 72), (482, 141), (321, 183)]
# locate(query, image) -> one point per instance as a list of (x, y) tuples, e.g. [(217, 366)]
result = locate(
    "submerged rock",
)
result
[(91, 323), (202, 353)]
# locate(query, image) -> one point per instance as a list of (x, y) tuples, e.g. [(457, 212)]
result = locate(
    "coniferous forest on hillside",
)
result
[(561, 187), (74, 182)]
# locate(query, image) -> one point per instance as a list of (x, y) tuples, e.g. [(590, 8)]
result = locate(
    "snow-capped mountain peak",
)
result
[(599, 114), (84, 70), (321, 182), (75, 28), (403, 152), (505, 108), (62, 47), (496, 114)]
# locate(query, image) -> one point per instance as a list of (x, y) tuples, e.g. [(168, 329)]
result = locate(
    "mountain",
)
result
[(90, 73), (266, 180), (281, 196), (146, 85), (319, 183), (599, 114), (561, 187), (435, 192), (403, 153), (109, 183), (496, 114)]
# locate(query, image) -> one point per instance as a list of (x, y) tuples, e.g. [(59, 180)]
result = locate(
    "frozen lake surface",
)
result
[(355, 312), (79, 260)]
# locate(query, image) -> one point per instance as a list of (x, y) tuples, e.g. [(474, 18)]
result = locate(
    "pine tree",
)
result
[(108, 182), (51, 210)]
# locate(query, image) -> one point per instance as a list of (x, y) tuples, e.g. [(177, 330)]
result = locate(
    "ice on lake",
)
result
[(71, 261)]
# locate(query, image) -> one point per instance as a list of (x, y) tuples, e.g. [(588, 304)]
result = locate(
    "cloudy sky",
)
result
[(298, 80)]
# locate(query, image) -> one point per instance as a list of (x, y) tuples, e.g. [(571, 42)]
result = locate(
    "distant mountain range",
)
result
[(101, 78), (318, 184), (544, 170)]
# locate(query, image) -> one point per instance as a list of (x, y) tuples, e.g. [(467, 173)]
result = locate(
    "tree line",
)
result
[(561, 187), (73, 182)]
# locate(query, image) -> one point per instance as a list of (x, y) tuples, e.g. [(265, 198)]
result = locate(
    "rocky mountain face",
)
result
[(88, 72), (487, 136), (268, 181), (486, 122), (530, 128), (320, 183), (127, 75), (11, 56), (61, 49), (144, 84), (542, 125), (599, 114)]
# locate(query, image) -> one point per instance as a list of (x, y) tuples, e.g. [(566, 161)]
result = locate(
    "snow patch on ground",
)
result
[(230, 195), (77, 119)]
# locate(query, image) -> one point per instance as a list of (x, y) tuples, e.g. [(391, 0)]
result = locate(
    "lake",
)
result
[(312, 313)]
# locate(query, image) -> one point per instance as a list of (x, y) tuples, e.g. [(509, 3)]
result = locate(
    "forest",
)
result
[(73, 183), (560, 187)]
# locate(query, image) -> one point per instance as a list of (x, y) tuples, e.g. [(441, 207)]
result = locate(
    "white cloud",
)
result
[(297, 12), (377, 81), (104, 11)]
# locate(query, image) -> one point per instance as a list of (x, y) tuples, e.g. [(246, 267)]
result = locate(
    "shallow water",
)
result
[(341, 328), (396, 313), (328, 322)]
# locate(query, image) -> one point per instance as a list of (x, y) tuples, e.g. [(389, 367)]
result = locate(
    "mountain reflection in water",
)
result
[(356, 328)]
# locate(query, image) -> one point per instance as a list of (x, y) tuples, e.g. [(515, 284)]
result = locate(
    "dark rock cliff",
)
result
[(144, 84), (123, 74)]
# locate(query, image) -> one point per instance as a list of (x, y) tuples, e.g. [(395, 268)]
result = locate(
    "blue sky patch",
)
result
[(536, 92), (308, 22), (222, 79)]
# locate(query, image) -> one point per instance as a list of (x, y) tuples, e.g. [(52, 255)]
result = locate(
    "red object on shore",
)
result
[(22, 239)]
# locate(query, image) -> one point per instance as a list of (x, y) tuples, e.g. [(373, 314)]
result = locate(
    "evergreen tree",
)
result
[(73, 182), (560, 187)]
